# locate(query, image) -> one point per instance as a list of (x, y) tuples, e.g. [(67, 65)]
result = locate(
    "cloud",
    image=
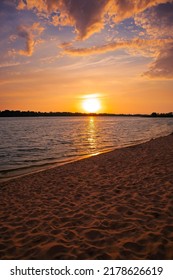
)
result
[(140, 44), (157, 21), (62, 20), (12, 38), (25, 32), (88, 16), (21, 5), (126, 8), (32, 4), (29, 34), (9, 64), (162, 67)]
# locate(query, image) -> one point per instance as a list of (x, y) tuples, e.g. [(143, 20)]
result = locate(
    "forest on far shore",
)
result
[(18, 113)]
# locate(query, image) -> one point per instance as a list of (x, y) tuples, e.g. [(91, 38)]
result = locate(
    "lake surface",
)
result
[(31, 144)]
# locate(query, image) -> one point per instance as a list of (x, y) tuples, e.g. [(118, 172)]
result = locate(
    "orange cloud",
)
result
[(32, 4), (122, 9), (61, 20), (140, 44), (21, 5), (25, 33), (29, 34)]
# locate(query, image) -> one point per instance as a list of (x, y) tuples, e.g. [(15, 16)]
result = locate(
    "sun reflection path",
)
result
[(92, 134)]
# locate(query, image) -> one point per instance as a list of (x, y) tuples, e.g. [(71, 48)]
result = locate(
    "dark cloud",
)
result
[(162, 67), (88, 16), (157, 21)]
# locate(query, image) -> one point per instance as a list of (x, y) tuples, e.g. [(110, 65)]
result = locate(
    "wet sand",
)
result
[(117, 205)]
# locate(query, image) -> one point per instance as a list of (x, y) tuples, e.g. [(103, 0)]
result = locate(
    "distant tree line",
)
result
[(160, 115), (18, 113)]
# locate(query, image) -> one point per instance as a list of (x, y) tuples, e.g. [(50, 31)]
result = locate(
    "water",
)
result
[(30, 144)]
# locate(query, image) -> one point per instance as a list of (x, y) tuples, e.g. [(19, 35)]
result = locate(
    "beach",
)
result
[(116, 205)]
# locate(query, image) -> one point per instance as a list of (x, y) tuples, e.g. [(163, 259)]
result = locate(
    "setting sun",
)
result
[(91, 105)]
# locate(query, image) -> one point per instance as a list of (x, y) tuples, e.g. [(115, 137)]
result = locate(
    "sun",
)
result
[(91, 105)]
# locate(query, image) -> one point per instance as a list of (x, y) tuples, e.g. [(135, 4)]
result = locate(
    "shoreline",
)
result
[(116, 205), (44, 167)]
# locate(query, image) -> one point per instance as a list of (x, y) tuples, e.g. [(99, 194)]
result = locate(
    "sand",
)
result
[(117, 205)]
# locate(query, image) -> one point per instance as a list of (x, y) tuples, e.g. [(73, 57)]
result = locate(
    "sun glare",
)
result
[(91, 105)]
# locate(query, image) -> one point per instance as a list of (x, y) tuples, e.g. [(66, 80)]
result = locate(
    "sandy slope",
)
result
[(117, 205)]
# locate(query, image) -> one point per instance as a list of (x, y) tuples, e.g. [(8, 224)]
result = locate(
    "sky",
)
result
[(55, 54)]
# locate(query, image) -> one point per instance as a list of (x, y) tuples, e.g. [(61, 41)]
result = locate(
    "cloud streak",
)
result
[(140, 44)]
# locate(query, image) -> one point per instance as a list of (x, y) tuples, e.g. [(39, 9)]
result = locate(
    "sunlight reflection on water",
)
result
[(92, 133)]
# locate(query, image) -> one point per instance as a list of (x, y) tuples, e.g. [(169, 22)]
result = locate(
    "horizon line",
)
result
[(19, 113)]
